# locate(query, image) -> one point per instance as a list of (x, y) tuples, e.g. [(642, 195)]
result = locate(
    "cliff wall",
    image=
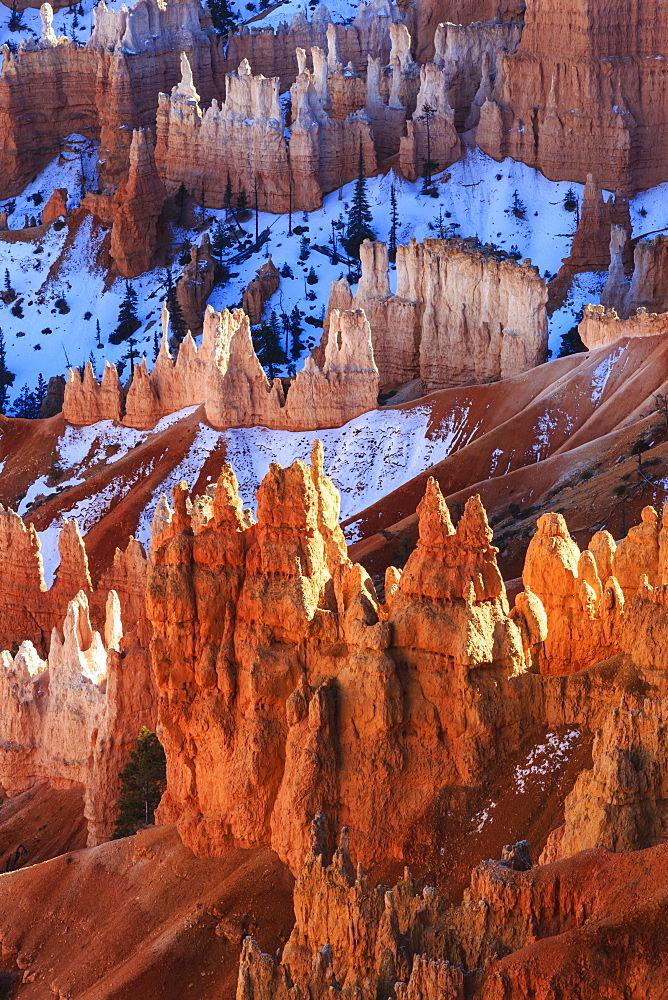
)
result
[(73, 719), (582, 94), (460, 315)]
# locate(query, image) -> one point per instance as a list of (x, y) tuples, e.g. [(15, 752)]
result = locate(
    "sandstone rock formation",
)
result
[(225, 376), (591, 248), (73, 719), (56, 207), (284, 648), (244, 139), (102, 90), (460, 315), (196, 284), (260, 290), (138, 203), (30, 610), (600, 326), (582, 95), (647, 288), (515, 933), (621, 804)]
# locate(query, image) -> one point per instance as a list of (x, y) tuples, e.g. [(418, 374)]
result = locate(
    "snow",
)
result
[(601, 374), (543, 760)]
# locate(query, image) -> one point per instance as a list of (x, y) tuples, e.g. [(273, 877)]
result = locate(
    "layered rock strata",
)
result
[(516, 933), (30, 610), (647, 287), (196, 284), (244, 138), (460, 315), (600, 327), (225, 376), (102, 90), (290, 674), (583, 94), (72, 720), (591, 248)]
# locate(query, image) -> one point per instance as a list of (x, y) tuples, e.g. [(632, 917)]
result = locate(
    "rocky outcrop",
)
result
[(581, 604), (86, 400), (72, 720), (582, 95), (30, 610), (430, 137), (195, 285), (591, 249), (290, 675), (460, 314), (516, 933), (647, 288), (102, 90), (622, 803), (226, 377), (56, 207), (137, 206), (260, 290), (600, 326)]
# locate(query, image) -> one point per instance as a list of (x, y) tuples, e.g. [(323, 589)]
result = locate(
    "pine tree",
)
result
[(27, 404), (15, 22), (224, 20), (296, 330), (242, 202), (128, 321), (8, 281), (359, 220), (267, 343), (142, 780), (394, 219), (98, 337), (6, 377), (227, 197), (429, 165), (176, 320)]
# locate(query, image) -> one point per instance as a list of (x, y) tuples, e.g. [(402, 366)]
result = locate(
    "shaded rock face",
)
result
[(622, 803), (647, 288), (260, 290), (515, 934), (102, 90), (591, 247), (72, 720), (584, 94), (56, 207), (226, 377), (195, 285), (459, 316), (31, 611)]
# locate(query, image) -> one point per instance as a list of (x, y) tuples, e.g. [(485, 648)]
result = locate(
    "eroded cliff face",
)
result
[(30, 610), (225, 376), (104, 89), (582, 94), (73, 719), (518, 933), (280, 633), (459, 315)]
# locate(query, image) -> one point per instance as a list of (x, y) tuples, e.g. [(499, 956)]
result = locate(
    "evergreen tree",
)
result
[(359, 220), (227, 197), (128, 321), (296, 331), (267, 343), (394, 219), (176, 320), (6, 377), (429, 165), (98, 338), (27, 403), (224, 20), (242, 202), (143, 781), (8, 281), (15, 22)]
